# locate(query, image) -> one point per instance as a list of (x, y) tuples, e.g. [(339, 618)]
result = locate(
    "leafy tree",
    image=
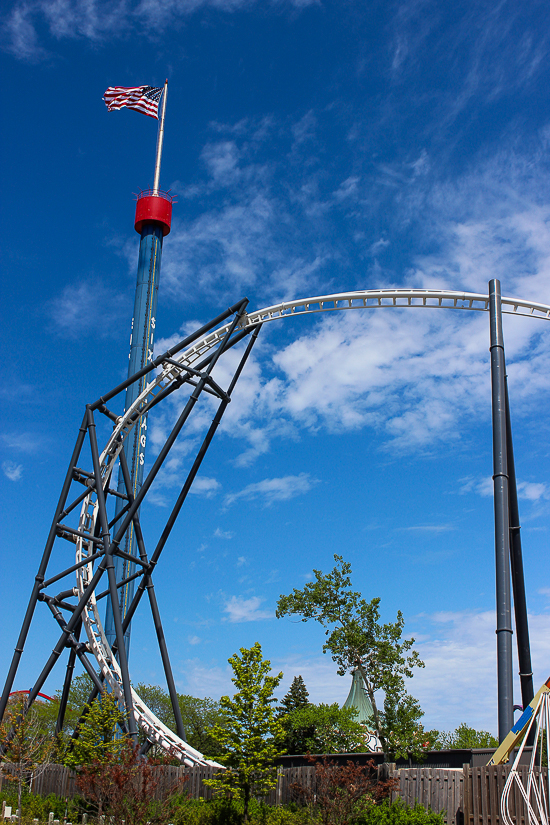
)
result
[(357, 639), (78, 696), (96, 742), (250, 735), (297, 697), (158, 700), (322, 729), (466, 737), (25, 743), (199, 716)]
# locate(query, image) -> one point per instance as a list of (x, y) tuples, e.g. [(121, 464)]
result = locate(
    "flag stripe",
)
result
[(144, 99)]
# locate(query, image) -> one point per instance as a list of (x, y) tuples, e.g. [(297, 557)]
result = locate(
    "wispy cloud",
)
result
[(241, 609), (12, 470), (24, 442), (429, 528), (205, 486), (88, 305), (270, 490), (459, 651), (460, 657), (222, 534), (533, 491), (98, 21)]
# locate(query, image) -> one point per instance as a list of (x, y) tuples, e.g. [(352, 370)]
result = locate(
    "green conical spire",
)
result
[(358, 699)]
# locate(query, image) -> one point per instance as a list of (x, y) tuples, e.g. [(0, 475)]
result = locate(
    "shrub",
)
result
[(399, 813)]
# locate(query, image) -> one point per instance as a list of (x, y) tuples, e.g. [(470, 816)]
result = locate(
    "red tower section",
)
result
[(154, 207)]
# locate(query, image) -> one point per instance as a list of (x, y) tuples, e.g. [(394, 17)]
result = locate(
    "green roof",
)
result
[(358, 699)]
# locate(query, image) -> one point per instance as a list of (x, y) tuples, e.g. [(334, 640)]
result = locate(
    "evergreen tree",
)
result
[(297, 697)]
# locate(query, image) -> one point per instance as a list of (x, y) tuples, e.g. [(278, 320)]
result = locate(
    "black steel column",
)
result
[(502, 519), (516, 561), (67, 685), (39, 578), (108, 559)]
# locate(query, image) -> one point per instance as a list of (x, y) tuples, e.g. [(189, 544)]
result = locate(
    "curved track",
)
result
[(169, 372)]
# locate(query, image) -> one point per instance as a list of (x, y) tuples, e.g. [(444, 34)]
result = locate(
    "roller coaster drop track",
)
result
[(190, 362)]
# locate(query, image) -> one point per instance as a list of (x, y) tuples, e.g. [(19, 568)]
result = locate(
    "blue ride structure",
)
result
[(153, 222)]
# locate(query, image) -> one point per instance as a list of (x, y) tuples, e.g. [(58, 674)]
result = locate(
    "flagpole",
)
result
[(160, 140)]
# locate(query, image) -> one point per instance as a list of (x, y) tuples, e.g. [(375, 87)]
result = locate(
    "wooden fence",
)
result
[(482, 791), (470, 796), (441, 789)]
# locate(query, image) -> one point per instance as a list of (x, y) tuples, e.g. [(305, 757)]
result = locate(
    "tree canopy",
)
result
[(356, 638), (251, 735), (466, 737), (321, 729)]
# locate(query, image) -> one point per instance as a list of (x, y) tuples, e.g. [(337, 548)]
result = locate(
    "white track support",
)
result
[(535, 788), (155, 730)]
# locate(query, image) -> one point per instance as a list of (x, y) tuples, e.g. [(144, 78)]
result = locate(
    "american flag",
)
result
[(143, 98)]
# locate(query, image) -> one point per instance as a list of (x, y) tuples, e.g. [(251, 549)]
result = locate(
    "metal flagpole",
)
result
[(160, 140)]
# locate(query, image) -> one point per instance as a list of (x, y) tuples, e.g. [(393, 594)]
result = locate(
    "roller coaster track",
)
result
[(180, 365)]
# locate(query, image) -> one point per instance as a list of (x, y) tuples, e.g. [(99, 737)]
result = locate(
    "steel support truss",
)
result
[(97, 540)]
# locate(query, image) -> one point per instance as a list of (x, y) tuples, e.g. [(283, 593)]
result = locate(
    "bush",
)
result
[(230, 812), (399, 813), (39, 807)]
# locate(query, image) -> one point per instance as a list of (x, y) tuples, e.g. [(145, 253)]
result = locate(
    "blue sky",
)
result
[(314, 147)]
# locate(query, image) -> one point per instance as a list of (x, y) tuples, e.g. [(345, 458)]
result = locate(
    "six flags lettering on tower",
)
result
[(143, 98)]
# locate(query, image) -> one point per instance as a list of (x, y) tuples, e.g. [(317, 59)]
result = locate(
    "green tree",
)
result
[(96, 742), (249, 739), (357, 639), (321, 729), (297, 697), (466, 737), (199, 716), (25, 743), (79, 692)]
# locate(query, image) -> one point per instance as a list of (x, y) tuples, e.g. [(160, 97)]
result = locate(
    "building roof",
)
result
[(358, 699)]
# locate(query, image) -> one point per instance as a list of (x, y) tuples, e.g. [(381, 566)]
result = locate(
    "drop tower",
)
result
[(152, 222)]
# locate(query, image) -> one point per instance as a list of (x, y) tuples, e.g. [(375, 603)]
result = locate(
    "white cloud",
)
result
[(458, 683), (86, 306), (23, 442), (199, 678), (273, 489), (98, 20), (528, 490), (204, 486), (240, 609), (12, 470), (533, 491), (223, 534), (429, 528)]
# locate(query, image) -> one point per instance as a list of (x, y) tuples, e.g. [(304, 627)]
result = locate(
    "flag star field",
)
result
[(313, 147)]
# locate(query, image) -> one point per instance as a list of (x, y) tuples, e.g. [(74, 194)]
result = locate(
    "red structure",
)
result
[(154, 207)]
